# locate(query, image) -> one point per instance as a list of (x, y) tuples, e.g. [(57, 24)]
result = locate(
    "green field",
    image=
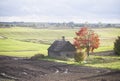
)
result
[(26, 42), (22, 41), (12, 47)]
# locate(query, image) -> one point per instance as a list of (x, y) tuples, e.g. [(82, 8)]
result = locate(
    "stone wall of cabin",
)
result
[(62, 55), (53, 54), (67, 54)]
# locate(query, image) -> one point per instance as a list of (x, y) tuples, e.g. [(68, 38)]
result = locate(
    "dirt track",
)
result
[(18, 69)]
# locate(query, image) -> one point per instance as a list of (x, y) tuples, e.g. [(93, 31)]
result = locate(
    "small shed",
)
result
[(61, 49)]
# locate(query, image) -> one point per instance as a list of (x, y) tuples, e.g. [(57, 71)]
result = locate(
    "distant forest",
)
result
[(56, 25)]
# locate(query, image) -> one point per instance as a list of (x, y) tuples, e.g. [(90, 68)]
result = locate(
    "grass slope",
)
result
[(23, 49), (41, 34), (14, 34)]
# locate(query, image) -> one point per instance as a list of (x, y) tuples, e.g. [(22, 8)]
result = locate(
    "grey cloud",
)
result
[(63, 8)]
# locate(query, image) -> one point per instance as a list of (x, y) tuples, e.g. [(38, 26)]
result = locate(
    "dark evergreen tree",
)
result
[(117, 46)]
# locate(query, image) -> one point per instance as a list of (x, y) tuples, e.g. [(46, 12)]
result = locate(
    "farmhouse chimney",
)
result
[(63, 38)]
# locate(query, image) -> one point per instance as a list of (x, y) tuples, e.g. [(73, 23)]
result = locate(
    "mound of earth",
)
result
[(20, 69)]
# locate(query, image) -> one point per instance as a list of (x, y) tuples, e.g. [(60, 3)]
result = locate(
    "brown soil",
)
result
[(20, 69)]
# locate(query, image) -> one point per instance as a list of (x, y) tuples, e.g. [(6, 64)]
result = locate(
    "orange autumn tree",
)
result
[(86, 40)]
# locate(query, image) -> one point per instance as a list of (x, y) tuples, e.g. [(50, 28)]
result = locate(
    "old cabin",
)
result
[(61, 49)]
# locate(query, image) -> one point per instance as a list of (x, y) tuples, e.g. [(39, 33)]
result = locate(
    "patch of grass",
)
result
[(41, 34), (70, 61), (18, 48), (21, 54), (110, 65), (110, 62), (103, 48), (1, 79), (107, 32)]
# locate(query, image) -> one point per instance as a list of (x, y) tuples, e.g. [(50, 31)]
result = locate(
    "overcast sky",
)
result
[(60, 10)]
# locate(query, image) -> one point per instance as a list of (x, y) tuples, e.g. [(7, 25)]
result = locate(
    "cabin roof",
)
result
[(60, 45)]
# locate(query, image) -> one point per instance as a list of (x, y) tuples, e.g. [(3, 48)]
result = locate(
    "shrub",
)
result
[(37, 56), (81, 56), (117, 46)]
